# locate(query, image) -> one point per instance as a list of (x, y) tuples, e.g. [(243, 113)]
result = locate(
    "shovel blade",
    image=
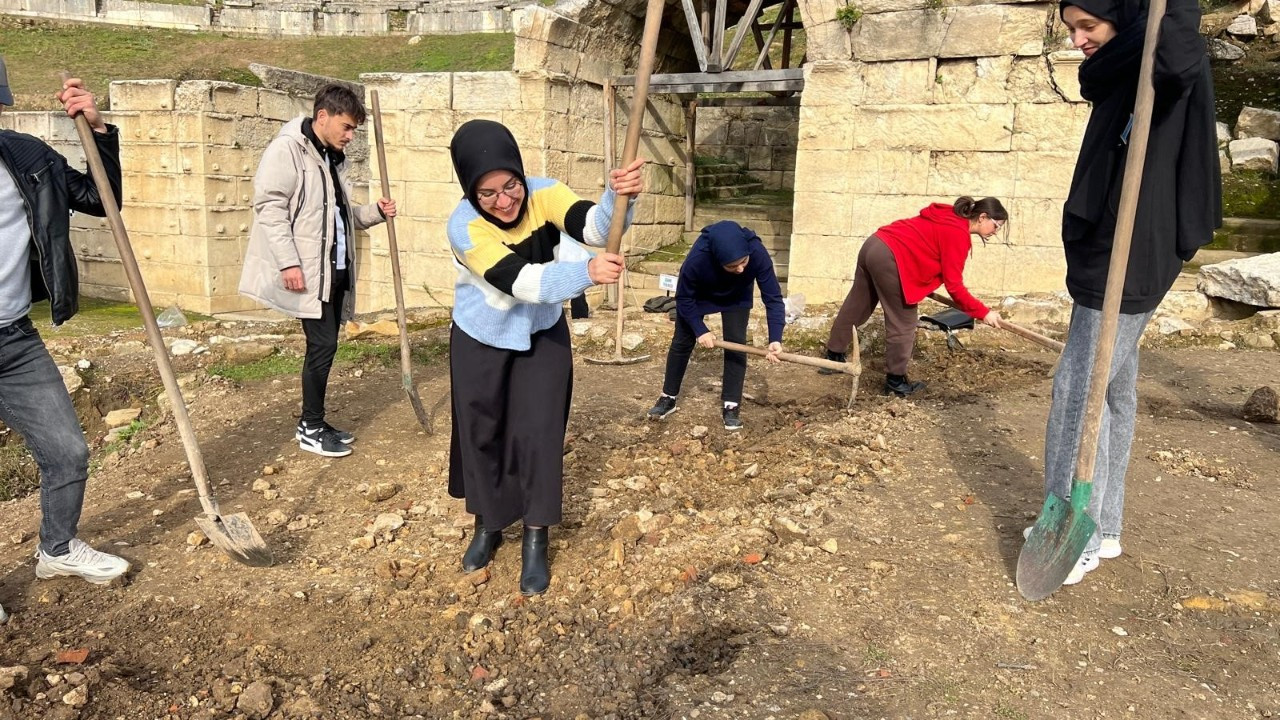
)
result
[(236, 536), (1054, 547)]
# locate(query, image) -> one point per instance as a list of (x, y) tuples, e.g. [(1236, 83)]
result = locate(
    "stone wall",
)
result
[(290, 17), (919, 105), (760, 139)]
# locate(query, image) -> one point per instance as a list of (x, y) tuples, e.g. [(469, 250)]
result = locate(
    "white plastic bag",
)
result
[(794, 305)]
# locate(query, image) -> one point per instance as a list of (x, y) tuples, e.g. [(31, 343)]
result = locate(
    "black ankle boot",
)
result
[(484, 544), (833, 356), (899, 385), (535, 575)]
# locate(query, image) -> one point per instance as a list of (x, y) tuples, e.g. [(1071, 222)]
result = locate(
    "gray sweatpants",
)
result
[(1066, 417)]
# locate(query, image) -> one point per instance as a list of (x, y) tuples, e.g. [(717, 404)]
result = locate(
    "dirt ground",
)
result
[(820, 563)]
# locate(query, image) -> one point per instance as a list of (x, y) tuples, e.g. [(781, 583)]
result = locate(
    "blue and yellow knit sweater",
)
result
[(512, 283)]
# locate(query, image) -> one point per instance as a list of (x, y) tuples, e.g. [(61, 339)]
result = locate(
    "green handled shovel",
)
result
[(1064, 527)]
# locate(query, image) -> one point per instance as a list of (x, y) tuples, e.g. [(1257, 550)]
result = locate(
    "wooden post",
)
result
[(691, 170)]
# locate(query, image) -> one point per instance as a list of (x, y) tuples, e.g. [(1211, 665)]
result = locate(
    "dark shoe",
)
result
[(535, 575), (483, 545), (731, 419), (343, 436), (320, 441), (899, 385), (664, 407), (833, 357)]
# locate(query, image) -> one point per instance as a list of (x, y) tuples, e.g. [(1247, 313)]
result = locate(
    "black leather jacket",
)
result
[(51, 189)]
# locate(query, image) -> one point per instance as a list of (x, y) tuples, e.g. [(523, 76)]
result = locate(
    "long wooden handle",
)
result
[(648, 52), (406, 365), (1130, 189), (1018, 330), (134, 275), (847, 368)]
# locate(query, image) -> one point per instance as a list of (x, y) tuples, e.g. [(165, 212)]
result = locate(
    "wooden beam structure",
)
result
[(788, 80)]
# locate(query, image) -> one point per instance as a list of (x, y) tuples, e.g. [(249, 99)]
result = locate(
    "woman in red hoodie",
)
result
[(902, 263)]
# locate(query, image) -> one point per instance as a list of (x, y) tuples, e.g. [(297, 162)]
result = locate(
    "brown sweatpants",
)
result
[(876, 280)]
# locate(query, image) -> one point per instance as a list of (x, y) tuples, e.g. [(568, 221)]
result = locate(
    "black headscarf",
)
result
[(482, 146), (1180, 201)]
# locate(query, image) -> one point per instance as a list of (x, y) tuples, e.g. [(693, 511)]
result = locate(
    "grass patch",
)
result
[(18, 473), (357, 352), (101, 54), (1251, 194), (96, 317), (266, 368), (126, 437)]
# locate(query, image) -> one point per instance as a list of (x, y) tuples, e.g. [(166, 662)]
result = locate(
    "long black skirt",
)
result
[(510, 410)]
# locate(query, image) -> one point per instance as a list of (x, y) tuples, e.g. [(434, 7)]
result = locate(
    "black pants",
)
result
[(510, 409), (735, 363), (578, 308), (322, 345)]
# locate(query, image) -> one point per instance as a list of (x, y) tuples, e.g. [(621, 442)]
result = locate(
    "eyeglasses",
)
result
[(514, 189)]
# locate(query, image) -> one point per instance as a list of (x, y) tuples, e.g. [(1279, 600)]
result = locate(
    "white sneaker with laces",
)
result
[(81, 561), (1088, 563), (1110, 548)]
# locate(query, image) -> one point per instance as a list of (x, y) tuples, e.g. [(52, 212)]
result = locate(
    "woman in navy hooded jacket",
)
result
[(717, 277)]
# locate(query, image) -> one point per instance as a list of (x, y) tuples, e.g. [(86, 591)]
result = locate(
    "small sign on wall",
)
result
[(667, 282)]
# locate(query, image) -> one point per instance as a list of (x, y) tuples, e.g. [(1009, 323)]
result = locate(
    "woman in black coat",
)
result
[(1178, 208)]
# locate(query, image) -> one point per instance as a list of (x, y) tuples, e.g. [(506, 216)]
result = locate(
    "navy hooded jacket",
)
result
[(705, 287)]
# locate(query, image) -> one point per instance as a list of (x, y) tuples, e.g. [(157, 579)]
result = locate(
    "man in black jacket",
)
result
[(38, 191)]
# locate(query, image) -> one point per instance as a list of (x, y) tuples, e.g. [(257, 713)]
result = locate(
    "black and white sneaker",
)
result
[(320, 440), (731, 419), (343, 436), (664, 407)]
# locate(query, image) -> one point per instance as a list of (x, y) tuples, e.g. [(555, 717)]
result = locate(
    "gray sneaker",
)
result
[(81, 561)]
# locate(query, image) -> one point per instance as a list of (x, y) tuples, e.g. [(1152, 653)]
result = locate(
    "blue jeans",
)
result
[(34, 402), (1066, 417)]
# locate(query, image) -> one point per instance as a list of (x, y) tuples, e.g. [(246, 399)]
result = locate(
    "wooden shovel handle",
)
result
[(1127, 215), (847, 368), (1018, 330), (139, 288), (406, 364), (648, 52)]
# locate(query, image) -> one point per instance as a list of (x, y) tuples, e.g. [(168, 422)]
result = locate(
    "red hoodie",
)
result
[(931, 250)]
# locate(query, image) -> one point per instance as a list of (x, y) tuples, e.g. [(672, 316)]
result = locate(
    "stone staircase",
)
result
[(763, 214), (722, 180)]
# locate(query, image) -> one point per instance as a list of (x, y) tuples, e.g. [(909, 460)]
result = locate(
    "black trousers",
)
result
[(510, 410), (322, 345), (735, 363)]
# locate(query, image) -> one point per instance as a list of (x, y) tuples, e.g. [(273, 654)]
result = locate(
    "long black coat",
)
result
[(1181, 199)]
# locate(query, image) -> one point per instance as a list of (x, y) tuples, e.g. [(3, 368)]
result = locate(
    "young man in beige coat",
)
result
[(301, 255)]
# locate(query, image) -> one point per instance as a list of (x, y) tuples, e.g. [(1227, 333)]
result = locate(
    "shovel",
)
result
[(1018, 330), (1063, 529), (648, 51), (233, 534), (406, 360)]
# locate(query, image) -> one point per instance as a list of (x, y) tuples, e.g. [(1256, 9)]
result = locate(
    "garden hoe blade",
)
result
[(1055, 545), (234, 534)]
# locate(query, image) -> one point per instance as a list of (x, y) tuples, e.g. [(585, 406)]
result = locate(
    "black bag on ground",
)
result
[(660, 304)]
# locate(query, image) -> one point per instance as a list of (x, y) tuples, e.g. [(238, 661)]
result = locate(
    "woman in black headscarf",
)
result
[(1178, 208), (515, 242)]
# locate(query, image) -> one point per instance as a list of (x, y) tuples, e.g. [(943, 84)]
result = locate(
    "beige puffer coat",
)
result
[(293, 201)]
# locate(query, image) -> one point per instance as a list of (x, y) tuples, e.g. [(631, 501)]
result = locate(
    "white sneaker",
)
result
[(1110, 548), (1088, 563), (82, 561)]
